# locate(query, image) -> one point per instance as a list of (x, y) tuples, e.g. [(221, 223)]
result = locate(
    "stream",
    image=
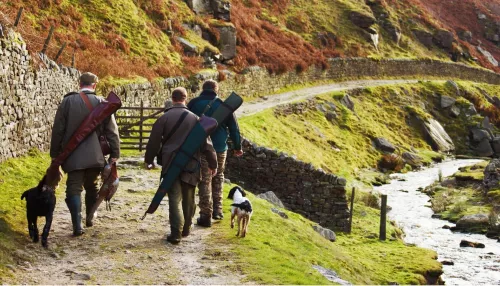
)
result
[(412, 213)]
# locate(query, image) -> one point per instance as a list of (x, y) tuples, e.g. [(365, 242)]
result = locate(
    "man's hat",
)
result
[(88, 78)]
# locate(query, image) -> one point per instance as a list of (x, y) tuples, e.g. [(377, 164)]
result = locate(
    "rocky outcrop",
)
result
[(383, 145), (424, 37), (465, 35), (200, 6), (362, 19), (447, 101), (466, 243), (437, 136), (222, 9)]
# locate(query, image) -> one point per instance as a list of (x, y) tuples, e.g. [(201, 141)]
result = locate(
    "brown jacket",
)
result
[(71, 112), (161, 129)]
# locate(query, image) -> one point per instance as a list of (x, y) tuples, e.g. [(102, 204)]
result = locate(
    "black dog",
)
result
[(40, 201)]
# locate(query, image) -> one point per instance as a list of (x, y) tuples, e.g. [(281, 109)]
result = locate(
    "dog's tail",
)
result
[(246, 206), (24, 195)]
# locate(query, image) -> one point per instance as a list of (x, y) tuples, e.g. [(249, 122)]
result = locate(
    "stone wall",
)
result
[(319, 196), (257, 81), (29, 97)]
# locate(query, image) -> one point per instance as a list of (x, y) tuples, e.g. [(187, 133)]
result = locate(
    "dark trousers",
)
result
[(181, 193), (79, 180)]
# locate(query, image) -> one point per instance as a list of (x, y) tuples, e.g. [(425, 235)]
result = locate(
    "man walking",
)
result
[(167, 135), (210, 190), (86, 162)]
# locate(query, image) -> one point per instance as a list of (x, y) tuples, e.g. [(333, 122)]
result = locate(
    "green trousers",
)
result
[(87, 179), (181, 193)]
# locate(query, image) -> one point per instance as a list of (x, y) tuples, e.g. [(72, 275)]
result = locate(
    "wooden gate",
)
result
[(135, 124)]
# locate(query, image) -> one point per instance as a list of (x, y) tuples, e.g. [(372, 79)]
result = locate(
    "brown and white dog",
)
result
[(242, 208)]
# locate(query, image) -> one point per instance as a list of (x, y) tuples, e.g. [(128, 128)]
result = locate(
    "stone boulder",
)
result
[(281, 213), (495, 145), (347, 102), (477, 135), (325, 232), (362, 19), (484, 149), (189, 48), (227, 41), (272, 198), (222, 9), (444, 39), (200, 6), (465, 35), (437, 136), (465, 243), (447, 101), (412, 159), (473, 223), (423, 37), (453, 85), (488, 56), (383, 145), (455, 111), (492, 175)]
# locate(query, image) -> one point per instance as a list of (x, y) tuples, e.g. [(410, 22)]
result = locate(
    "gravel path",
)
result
[(282, 98)]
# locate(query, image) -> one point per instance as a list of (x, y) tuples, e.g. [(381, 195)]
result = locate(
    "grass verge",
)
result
[(283, 251)]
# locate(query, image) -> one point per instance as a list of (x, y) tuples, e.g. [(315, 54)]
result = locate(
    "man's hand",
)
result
[(237, 153), (213, 172), (149, 166), (112, 160)]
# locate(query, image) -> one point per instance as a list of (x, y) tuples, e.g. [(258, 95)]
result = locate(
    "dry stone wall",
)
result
[(319, 196), (255, 80), (29, 97)]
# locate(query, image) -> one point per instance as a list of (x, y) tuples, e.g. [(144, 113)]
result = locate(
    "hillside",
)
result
[(160, 38)]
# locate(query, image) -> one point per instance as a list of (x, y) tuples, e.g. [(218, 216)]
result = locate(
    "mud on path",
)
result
[(122, 249)]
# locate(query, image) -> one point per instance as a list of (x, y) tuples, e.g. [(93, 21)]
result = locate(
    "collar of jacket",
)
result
[(208, 94), (176, 105), (75, 92)]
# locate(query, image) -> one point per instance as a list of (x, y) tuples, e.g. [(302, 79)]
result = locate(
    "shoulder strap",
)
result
[(209, 105), (176, 126), (85, 98)]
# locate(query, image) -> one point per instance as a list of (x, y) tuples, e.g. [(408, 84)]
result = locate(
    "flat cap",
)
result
[(88, 78)]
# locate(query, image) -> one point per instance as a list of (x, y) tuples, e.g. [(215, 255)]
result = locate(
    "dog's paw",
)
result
[(232, 225), (45, 243), (35, 239)]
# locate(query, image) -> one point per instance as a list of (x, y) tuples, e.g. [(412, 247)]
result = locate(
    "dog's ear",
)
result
[(231, 193)]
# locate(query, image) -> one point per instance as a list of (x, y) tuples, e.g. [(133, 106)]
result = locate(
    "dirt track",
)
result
[(121, 248)]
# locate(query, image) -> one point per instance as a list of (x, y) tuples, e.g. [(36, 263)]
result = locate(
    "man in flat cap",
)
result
[(87, 160)]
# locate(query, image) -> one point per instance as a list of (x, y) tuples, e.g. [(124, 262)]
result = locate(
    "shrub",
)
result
[(391, 162)]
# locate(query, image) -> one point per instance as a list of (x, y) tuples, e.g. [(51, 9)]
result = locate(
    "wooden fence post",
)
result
[(383, 220), (352, 209), (47, 41), (60, 52), (18, 17), (140, 126)]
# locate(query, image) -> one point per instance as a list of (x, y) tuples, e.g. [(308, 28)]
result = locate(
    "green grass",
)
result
[(17, 176), (283, 251)]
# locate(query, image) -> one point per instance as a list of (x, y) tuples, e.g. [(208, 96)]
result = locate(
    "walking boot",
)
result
[(218, 215), (74, 204), (186, 230), (89, 203), (174, 237), (204, 220)]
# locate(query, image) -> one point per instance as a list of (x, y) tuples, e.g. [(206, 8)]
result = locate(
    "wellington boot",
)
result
[(74, 204)]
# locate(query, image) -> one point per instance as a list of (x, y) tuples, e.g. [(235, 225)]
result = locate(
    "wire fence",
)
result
[(38, 40)]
